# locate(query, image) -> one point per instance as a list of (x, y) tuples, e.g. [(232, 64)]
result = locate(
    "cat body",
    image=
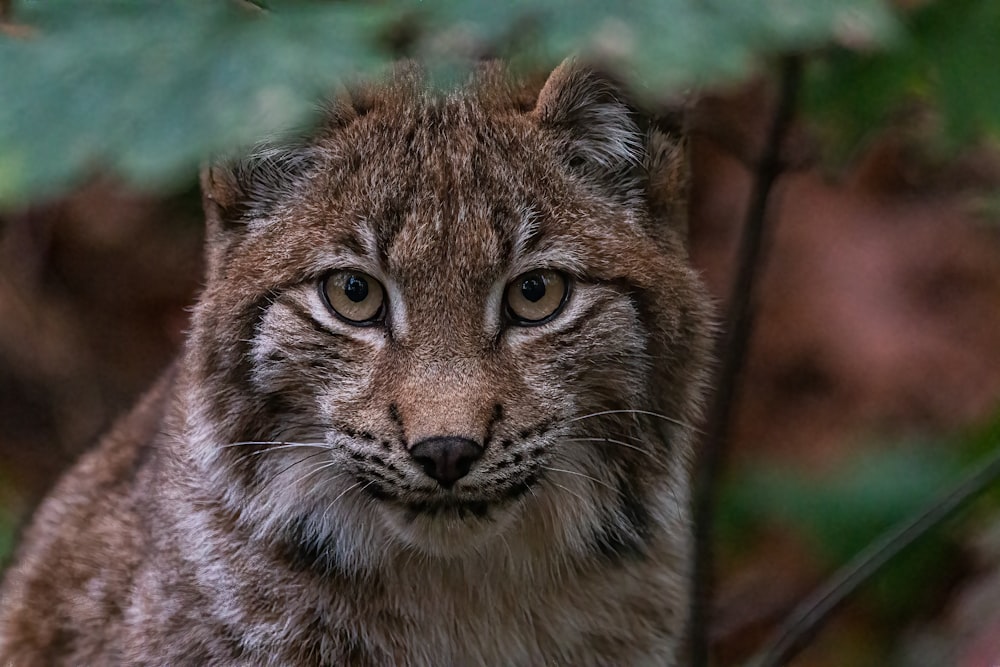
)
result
[(434, 408)]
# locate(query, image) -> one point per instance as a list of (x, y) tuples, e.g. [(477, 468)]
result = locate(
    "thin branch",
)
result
[(810, 616), (732, 354)]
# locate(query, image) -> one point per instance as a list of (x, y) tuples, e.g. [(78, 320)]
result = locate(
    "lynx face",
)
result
[(434, 408), (448, 321)]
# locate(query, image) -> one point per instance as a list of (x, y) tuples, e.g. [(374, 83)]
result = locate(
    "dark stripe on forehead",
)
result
[(445, 165), (350, 241), (386, 225), (543, 220), (508, 223), (387, 216)]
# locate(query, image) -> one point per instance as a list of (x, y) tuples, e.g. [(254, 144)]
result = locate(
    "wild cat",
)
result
[(434, 407)]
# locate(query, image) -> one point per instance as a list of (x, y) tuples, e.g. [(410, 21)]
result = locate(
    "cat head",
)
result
[(452, 317)]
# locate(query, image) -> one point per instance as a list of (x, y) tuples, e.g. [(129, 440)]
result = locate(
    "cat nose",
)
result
[(446, 459)]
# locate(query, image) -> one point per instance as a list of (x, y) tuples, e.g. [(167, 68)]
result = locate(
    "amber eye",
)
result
[(536, 296), (354, 296)]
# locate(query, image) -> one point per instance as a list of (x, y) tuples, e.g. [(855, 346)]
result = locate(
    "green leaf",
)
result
[(148, 89), (843, 510), (946, 59)]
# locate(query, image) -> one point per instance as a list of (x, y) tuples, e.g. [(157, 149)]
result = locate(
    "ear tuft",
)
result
[(604, 141)]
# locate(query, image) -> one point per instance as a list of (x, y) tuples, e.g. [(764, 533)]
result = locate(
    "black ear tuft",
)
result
[(603, 138)]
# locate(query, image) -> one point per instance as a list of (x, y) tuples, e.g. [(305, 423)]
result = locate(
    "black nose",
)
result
[(446, 459)]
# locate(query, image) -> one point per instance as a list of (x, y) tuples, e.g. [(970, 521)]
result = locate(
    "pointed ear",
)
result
[(602, 137), (240, 194), (668, 176)]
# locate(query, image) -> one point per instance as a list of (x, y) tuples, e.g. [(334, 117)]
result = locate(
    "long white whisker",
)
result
[(634, 412), (611, 441), (265, 451), (275, 444), (248, 455), (319, 467), (297, 462), (571, 492), (584, 475), (343, 493)]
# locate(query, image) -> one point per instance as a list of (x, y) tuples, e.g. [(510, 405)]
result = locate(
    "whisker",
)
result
[(266, 451), (343, 493), (319, 467), (246, 456), (297, 462), (571, 492), (275, 444), (611, 441), (648, 413), (584, 475)]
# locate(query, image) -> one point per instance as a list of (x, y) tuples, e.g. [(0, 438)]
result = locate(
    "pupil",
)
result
[(533, 288), (356, 289)]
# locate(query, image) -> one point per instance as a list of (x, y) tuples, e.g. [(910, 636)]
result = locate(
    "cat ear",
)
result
[(238, 193), (668, 173), (602, 137), (634, 156)]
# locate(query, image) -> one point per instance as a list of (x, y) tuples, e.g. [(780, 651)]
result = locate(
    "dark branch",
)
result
[(732, 353), (810, 616)]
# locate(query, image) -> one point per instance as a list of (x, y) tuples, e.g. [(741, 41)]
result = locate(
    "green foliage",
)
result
[(843, 510), (7, 536), (947, 59), (148, 89)]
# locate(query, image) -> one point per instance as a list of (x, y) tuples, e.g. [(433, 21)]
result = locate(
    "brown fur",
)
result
[(176, 542)]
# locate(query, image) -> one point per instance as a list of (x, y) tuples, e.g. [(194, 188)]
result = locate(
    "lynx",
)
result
[(435, 405)]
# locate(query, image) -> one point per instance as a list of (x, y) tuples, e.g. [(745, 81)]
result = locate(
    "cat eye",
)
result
[(536, 297), (354, 297)]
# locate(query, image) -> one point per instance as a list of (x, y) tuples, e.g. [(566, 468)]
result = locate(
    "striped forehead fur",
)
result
[(602, 140)]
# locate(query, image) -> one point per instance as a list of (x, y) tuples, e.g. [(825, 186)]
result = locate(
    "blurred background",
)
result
[(873, 379)]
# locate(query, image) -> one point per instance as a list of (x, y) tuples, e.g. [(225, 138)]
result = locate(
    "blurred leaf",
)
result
[(842, 510), (845, 509), (947, 59), (7, 537), (671, 44), (149, 88)]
